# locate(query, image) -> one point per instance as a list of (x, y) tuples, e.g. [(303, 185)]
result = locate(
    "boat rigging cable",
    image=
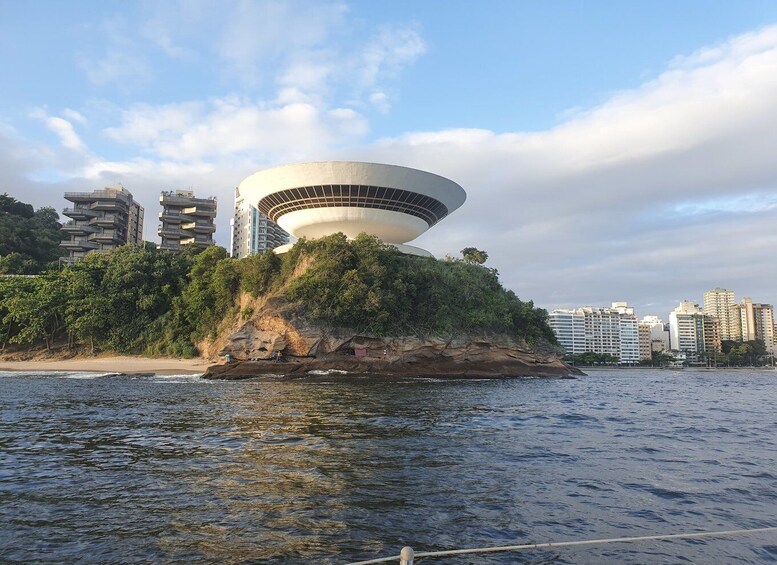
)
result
[(407, 555)]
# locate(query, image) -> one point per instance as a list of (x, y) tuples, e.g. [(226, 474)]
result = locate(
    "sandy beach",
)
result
[(119, 364)]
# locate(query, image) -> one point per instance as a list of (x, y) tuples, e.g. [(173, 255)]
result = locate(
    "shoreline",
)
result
[(113, 364)]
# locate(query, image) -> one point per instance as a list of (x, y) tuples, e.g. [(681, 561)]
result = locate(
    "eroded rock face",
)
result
[(278, 327)]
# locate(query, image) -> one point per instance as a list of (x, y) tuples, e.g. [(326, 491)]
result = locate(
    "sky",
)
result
[(610, 150)]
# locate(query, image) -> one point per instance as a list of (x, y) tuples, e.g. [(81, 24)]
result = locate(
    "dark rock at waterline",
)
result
[(440, 368)]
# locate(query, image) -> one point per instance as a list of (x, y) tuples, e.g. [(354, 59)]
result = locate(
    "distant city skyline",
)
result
[(609, 151)]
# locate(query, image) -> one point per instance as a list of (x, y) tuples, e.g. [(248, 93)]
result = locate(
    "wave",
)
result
[(85, 375), (324, 372)]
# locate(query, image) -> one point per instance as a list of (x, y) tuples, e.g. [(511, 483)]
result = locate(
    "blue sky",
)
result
[(626, 143)]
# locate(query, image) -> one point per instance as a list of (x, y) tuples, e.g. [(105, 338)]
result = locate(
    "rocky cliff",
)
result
[(277, 327)]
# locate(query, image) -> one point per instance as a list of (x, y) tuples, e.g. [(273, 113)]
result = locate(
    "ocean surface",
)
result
[(334, 468)]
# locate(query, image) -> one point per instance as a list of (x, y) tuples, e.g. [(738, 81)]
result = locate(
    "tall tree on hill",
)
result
[(29, 239), (474, 255)]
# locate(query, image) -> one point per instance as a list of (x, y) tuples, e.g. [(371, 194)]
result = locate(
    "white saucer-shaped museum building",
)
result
[(312, 200)]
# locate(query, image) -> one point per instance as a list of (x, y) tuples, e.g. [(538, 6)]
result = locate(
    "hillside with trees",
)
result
[(142, 300), (29, 238)]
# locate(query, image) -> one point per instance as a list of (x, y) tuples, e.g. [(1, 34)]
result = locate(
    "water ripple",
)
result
[(135, 469)]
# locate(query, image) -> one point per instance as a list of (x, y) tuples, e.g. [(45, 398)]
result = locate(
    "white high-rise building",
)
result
[(251, 231), (614, 331), (629, 332), (720, 303), (692, 331), (569, 327)]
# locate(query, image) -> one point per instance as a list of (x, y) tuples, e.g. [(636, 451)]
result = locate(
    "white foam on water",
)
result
[(164, 377), (82, 375), (325, 372), (180, 378)]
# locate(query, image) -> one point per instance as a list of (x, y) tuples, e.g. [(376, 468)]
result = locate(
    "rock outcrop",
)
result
[(279, 328)]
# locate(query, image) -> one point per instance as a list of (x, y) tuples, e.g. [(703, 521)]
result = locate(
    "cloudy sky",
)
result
[(610, 150)]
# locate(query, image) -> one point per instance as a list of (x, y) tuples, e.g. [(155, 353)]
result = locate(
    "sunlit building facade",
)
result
[(720, 303), (692, 331), (755, 321), (186, 219), (251, 231)]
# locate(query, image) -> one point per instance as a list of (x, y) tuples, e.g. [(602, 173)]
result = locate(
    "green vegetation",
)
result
[(658, 359), (29, 239), (740, 354), (138, 299), (590, 359), (372, 288)]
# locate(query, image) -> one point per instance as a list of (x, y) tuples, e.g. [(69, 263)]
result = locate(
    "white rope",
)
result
[(568, 544)]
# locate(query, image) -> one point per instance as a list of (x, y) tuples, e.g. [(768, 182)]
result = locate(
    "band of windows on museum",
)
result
[(325, 196)]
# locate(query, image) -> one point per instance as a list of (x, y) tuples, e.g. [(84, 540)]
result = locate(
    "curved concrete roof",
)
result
[(275, 179)]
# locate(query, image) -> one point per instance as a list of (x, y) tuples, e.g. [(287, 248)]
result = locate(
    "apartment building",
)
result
[(720, 303), (645, 342), (755, 321), (251, 231), (612, 330), (692, 331), (569, 327), (101, 221), (659, 333), (186, 219)]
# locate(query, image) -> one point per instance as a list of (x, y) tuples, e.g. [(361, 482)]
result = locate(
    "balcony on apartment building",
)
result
[(109, 205), (171, 216), (107, 220), (107, 236), (79, 244), (79, 212), (171, 232), (199, 227), (205, 211), (199, 240), (78, 228)]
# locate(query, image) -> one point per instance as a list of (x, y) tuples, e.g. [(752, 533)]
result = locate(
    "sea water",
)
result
[(102, 468)]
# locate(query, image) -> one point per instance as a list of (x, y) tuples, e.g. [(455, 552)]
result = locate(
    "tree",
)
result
[(29, 239), (474, 255), (39, 313), (18, 264), (87, 314)]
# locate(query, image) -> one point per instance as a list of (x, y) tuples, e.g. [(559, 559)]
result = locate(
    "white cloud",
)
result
[(258, 33), (392, 49), (74, 116), (231, 128), (145, 124), (381, 101), (66, 133), (63, 129)]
